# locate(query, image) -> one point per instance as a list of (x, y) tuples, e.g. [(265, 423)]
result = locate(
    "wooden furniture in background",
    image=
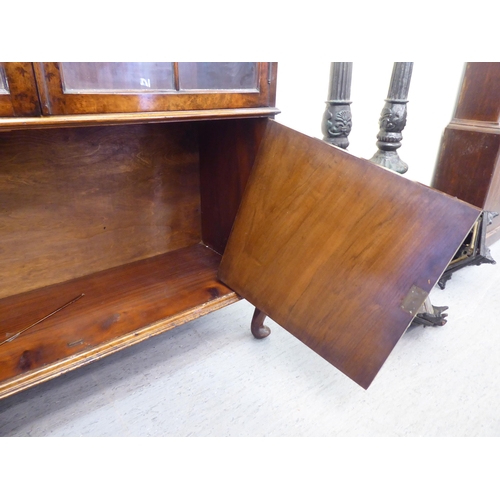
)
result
[(118, 221), (468, 161)]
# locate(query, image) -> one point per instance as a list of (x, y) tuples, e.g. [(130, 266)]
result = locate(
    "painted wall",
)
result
[(303, 89)]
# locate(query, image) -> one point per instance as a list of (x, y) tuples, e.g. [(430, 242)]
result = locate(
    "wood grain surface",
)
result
[(227, 155), (120, 306), (90, 120), (331, 247), (479, 96), (467, 161), (77, 201)]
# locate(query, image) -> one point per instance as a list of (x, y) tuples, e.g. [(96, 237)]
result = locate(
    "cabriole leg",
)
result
[(259, 330)]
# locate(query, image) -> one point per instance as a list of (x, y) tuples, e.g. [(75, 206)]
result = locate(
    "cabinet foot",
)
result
[(473, 250), (430, 315), (259, 330)]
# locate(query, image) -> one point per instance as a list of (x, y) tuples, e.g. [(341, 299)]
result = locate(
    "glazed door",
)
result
[(18, 93), (338, 251), (124, 87)]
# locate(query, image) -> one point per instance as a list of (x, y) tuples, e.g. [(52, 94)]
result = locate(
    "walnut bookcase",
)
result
[(127, 221), (125, 197)]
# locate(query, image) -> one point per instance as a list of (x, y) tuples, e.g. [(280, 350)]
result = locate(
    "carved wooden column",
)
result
[(393, 119), (337, 119)]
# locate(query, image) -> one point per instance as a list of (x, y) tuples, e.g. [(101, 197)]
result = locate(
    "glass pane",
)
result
[(218, 76), (4, 86), (112, 77)]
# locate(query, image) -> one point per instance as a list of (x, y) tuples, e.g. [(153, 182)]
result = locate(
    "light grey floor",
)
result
[(212, 378)]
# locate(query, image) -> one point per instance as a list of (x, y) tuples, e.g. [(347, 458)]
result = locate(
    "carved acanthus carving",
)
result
[(340, 123), (337, 119), (393, 120)]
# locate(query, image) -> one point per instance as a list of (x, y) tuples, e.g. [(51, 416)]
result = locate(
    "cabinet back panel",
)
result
[(227, 153), (77, 201)]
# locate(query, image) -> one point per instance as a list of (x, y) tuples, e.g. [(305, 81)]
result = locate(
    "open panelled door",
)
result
[(337, 250)]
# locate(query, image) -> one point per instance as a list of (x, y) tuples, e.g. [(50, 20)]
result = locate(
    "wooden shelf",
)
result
[(89, 120), (120, 307)]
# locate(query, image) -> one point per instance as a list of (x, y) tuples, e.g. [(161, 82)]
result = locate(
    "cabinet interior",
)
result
[(134, 217)]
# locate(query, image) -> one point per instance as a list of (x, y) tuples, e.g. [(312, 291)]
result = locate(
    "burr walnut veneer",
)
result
[(119, 221)]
